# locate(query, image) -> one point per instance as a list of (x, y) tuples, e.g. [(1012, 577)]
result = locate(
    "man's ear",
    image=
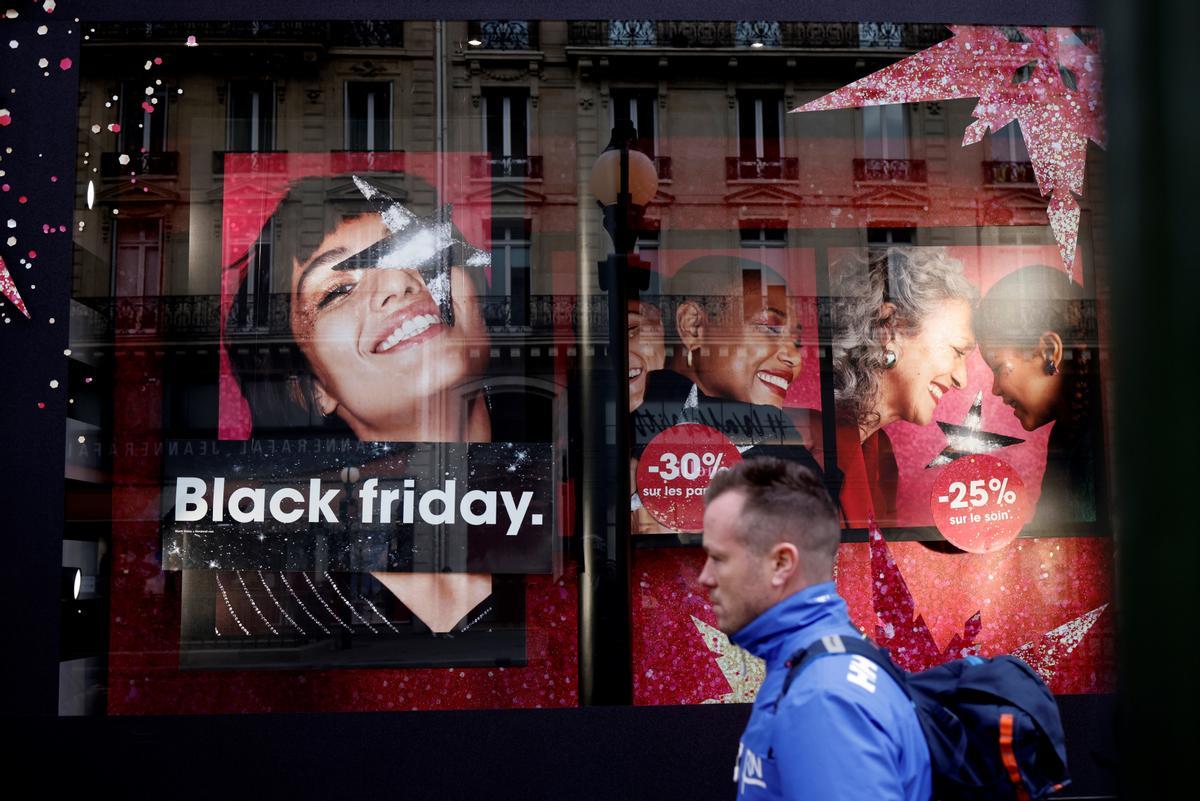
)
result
[(690, 321), (785, 563), (326, 403), (1050, 348)]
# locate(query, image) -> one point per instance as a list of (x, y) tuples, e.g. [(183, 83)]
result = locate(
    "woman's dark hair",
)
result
[(271, 369), (706, 280), (1028, 302)]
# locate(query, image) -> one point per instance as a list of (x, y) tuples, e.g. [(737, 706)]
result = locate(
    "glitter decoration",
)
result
[(114, 127), (1045, 653), (65, 64), (898, 627), (5, 117), (191, 42), (43, 63), (49, 6), (9, 289), (744, 671), (1059, 108), (967, 439)]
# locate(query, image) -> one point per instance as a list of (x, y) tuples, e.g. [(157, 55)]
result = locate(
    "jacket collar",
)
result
[(808, 613)]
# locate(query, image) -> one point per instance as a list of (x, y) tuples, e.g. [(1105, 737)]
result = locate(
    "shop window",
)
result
[(368, 115), (251, 116)]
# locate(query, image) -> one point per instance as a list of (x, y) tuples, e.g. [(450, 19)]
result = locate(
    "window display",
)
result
[(336, 314)]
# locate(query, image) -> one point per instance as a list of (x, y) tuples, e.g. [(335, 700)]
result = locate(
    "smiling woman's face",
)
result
[(647, 350), (374, 337), (761, 356), (930, 363)]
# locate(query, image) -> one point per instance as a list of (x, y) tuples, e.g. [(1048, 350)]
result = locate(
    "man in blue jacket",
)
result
[(845, 730)]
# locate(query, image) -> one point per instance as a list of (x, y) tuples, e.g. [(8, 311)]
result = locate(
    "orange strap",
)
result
[(1009, 758)]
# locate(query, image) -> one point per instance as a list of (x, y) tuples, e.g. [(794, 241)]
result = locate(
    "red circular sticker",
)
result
[(979, 503), (675, 470)]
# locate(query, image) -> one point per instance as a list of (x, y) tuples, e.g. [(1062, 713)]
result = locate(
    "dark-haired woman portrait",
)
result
[(1038, 335), (388, 342)]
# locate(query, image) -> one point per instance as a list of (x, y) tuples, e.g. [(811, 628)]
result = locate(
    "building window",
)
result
[(251, 117), (252, 304), (143, 122), (879, 239), (638, 108), (368, 115), (137, 274), (632, 33), (511, 247), (1008, 145), (502, 34), (885, 131), (506, 133), (646, 247), (760, 238), (760, 135)]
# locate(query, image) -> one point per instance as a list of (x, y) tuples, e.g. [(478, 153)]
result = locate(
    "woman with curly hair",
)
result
[(902, 332)]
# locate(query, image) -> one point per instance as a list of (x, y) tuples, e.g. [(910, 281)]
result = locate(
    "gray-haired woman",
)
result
[(902, 332)]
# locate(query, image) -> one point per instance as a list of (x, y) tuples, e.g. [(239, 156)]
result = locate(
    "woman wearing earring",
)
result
[(1037, 334), (734, 353), (388, 341), (902, 332)]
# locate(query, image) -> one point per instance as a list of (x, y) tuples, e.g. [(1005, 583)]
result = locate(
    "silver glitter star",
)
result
[(967, 439)]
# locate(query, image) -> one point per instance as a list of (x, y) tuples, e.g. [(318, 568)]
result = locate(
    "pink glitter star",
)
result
[(1047, 79), (9, 289)]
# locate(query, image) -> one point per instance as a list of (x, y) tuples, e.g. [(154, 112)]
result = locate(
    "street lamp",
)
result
[(623, 181)]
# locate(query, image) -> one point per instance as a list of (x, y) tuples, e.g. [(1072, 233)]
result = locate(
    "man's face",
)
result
[(738, 578)]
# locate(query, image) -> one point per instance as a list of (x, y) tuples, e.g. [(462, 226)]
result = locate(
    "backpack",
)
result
[(992, 725)]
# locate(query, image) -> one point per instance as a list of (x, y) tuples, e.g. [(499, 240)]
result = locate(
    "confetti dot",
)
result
[(148, 65), (82, 439), (191, 42), (12, 241), (50, 5), (54, 383), (12, 13), (12, 223), (115, 127), (95, 129), (115, 211), (22, 199), (5, 187), (33, 254), (41, 405), (65, 64), (149, 90), (42, 29), (158, 59), (87, 380), (179, 91), (67, 352), (14, 44), (43, 63), (51, 321), (5, 117), (53, 179)]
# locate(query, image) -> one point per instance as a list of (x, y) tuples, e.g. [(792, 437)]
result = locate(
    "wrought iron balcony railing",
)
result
[(783, 169), (507, 167), (503, 34), (1008, 172), (349, 33), (746, 33), (162, 163), (901, 170)]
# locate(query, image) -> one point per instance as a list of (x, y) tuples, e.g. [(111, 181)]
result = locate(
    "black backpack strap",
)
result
[(837, 644)]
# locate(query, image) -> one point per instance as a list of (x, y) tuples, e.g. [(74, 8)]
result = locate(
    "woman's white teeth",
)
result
[(935, 391), (771, 378), (407, 330), (634, 372)]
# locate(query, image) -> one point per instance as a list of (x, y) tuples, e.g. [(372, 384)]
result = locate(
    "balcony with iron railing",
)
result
[(258, 161), (163, 163), (196, 319), (1008, 172), (781, 169), (909, 171), (751, 34), (487, 167), (502, 34)]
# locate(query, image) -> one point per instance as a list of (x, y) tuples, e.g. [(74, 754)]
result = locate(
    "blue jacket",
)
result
[(845, 729)]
